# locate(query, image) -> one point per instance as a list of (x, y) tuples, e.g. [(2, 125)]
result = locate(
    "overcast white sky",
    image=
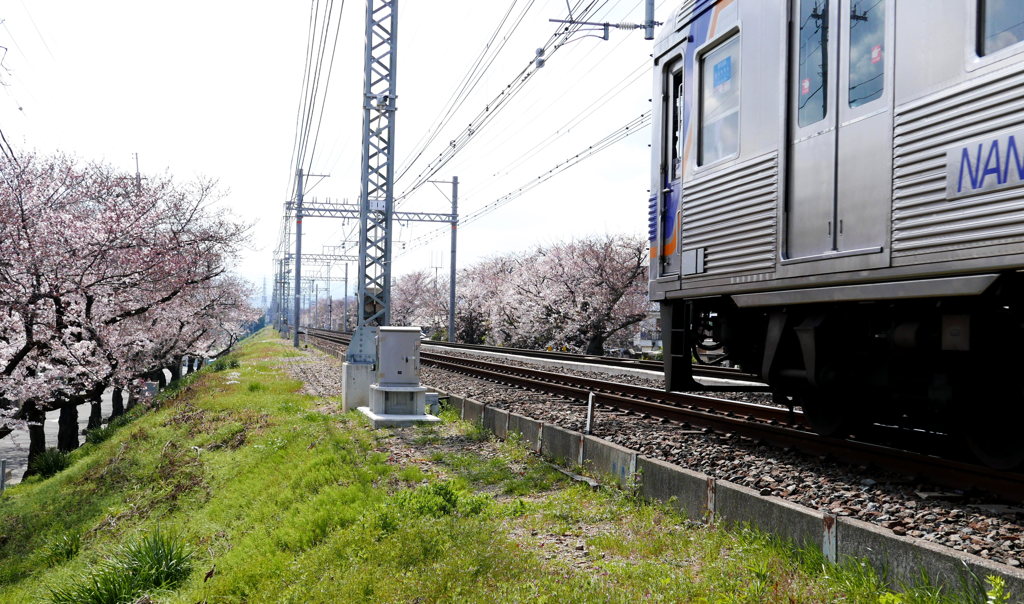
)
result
[(212, 87)]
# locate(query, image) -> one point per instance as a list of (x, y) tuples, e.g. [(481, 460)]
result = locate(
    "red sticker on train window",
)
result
[(805, 86), (876, 53)]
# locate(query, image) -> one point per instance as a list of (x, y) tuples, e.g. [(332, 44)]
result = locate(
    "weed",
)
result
[(49, 462), (997, 594), (257, 387), (100, 434), (426, 435), (234, 364), (155, 561), (476, 432), (219, 365), (62, 549), (411, 474)]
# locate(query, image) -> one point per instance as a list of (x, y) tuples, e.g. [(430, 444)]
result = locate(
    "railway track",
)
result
[(711, 371), (774, 425)]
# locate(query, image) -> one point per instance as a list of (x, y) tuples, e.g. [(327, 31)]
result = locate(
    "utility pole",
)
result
[(298, 256), (649, 21), (138, 176), (451, 278)]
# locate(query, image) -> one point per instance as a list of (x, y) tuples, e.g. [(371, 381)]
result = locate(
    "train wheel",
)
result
[(825, 415)]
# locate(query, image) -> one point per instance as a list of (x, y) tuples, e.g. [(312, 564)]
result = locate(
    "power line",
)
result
[(632, 127), (497, 104)]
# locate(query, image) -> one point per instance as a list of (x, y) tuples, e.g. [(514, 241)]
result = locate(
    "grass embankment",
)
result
[(237, 488)]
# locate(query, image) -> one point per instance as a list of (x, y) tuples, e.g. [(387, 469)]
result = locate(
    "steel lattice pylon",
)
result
[(376, 195)]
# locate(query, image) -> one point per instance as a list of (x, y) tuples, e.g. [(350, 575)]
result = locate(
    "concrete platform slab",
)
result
[(684, 489), (902, 559), (604, 458), (397, 421), (530, 429), (496, 420), (562, 446), (802, 525)]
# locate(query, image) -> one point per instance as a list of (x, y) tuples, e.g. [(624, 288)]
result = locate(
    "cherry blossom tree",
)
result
[(579, 295), (103, 279), (582, 293)]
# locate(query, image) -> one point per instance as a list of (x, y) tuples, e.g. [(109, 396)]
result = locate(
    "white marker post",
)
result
[(590, 412)]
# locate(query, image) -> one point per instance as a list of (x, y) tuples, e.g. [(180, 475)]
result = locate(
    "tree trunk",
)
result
[(95, 416), (117, 403), (160, 378), (133, 398), (176, 370), (67, 428), (186, 365), (36, 436)]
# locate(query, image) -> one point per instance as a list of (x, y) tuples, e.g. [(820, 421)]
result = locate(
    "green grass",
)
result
[(248, 494)]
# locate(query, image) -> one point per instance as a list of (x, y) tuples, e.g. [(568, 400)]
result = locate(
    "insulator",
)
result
[(629, 26)]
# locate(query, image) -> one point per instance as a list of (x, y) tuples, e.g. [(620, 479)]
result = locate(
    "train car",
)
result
[(838, 206)]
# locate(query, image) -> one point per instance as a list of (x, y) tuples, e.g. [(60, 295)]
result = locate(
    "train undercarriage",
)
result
[(951, 365)]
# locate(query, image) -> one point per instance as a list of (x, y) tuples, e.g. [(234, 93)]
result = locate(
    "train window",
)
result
[(1001, 23), (675, 124), (720, 102), (813, 69), (867, 46)]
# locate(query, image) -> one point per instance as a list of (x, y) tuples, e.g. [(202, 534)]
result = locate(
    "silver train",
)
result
[(838, 206)]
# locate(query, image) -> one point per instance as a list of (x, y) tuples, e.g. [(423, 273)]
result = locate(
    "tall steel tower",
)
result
[(376, 199)]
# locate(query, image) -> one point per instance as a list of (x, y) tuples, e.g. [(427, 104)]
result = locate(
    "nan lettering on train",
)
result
[(985, 165)]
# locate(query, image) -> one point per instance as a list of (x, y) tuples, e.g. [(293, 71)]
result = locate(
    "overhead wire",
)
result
[(497, 104), (632, 127), (470, 80)]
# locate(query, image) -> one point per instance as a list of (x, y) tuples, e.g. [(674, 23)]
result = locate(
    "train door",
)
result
[(812, 132), (864, 166), (840, 127)]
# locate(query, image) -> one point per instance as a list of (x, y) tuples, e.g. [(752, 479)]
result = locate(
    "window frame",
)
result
[(979, 32), (883, 94), (730, 34), (672, 142), (974, 38)]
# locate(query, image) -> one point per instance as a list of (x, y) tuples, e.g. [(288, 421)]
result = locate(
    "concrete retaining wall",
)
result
[(903, 557), (686, 490), (472, 411), (496, 420), (603, 458), (562, 446), (797, 523), (530, 429)]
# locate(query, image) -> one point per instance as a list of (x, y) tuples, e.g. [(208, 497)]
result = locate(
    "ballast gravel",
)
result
[(962, 521)]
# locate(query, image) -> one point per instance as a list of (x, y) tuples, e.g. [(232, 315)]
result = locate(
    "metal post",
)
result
[(298, 258), (451, 278), (330, 302), (3, 475), (649, 21), (316, 305), (590, 413), (344, 302)]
